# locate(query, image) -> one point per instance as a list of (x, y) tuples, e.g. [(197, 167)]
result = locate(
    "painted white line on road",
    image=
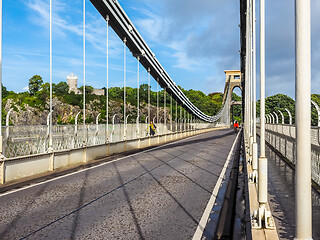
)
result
[(204, 219), (96, 166)]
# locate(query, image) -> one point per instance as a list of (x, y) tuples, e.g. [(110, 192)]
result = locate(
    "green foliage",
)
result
[(59, 120), (43, 94), (5, 92), (116, 93), (89, 89), (236, 110), (35, 84), (279, 102), (209, 104), (206, 103), (61, 89), (71, 120), (73, 99), (235, 97)]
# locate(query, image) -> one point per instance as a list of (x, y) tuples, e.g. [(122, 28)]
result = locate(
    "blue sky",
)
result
[(194, 41)]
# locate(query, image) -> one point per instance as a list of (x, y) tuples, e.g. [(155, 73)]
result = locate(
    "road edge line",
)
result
[(204, 219)]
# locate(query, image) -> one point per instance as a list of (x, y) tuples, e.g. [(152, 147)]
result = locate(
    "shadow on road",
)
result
[(135, 220), (80, 203), (13, 223), (200, 140), (167, 191)]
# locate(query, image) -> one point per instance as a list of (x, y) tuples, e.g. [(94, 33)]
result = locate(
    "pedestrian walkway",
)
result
[(281, 198)]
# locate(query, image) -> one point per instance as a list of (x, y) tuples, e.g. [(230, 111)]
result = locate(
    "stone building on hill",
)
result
[(72, 82)]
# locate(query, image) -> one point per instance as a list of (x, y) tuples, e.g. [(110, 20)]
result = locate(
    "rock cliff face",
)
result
[(64, 113)]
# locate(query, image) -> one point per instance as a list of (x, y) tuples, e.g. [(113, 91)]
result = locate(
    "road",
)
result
[(160, 193)]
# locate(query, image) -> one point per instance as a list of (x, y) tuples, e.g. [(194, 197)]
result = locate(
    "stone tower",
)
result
[(72, 82), (233, 79)]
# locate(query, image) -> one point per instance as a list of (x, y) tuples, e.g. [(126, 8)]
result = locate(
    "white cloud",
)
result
[(62, 26)]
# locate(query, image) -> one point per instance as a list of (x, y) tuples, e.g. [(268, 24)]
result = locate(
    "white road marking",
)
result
[(93, 167), (204, 219)]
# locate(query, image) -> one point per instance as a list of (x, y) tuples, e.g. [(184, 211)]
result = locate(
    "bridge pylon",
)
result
[(233, 80)]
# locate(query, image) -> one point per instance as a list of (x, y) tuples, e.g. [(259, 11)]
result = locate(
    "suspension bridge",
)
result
[(195, 178)]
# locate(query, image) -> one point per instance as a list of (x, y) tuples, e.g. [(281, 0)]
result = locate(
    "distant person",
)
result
[(152, 128), (236, 126)]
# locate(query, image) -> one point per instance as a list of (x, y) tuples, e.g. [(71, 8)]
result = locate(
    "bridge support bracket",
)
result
[(253, 176), (262, 219)]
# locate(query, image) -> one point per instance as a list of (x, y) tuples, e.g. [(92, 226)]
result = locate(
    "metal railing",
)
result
[(282, 137), (34, 139)]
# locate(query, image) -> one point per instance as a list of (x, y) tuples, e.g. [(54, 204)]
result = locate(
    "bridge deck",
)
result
[(160, 193)]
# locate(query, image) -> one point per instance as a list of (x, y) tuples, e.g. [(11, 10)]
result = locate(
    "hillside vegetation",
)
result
[(32, 107), (281, 101)]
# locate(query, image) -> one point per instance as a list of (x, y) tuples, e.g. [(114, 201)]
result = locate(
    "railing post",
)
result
[(76, 123), (273, 122), (157, 100), (303, 118), (290, 116), (138, 129), (97, 129), (49, 131), (113, 119), (318, 111), (282, 117), (184, 120), (171, 114), (148, 130), (7, 122), (125, 125), (277, 119), (176, 115)]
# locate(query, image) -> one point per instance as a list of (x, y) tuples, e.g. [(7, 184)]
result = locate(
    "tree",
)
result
[(61, 89), (5, 92), (89, 89), (35, 84), (143, 92), (44, 93)]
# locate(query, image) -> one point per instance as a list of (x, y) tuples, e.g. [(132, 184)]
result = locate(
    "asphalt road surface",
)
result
[(160, 193)]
